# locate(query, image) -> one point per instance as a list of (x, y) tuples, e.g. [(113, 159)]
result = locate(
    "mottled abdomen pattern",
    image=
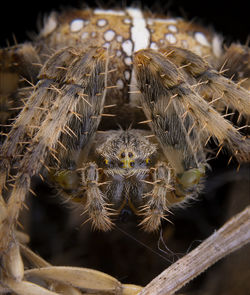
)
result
[(123, 33)]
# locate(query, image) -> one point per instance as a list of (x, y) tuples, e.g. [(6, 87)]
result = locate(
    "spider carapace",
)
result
[(123, 105)]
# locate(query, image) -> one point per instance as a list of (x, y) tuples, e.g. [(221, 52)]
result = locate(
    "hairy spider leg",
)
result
[(61, 88), (178, 116)]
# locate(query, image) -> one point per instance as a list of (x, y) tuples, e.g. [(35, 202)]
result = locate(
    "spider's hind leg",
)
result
[(235, 64), (217, 87), (19, 67)]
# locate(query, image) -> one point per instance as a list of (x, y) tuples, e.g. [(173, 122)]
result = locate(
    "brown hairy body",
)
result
[(119, 119)]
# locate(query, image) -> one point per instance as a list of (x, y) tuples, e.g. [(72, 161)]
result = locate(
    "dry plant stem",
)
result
[(233, 235)]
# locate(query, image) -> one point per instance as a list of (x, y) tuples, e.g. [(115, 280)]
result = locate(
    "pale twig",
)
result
[(230, 237)]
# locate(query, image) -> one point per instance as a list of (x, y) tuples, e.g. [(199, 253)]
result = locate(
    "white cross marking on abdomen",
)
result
[(140, 37), (139, 32)]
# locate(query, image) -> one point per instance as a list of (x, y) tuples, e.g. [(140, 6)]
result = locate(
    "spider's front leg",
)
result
[(58, 121), (181, 119), (177, 130), (173, 83)]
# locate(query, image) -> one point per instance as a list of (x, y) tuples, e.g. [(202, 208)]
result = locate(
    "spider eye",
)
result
[(132, 164), (130, 155), (122, 155)]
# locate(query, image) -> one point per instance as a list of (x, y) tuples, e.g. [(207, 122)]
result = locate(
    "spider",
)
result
[(121, 107)]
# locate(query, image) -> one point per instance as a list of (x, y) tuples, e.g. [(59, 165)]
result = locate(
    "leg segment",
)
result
[(174, 127), (168, 190), (180, 116), (236, 64), (159, 199), (69, 79), (211, 84), (93, 199), (182, 121), (84, 190), (19, 67)]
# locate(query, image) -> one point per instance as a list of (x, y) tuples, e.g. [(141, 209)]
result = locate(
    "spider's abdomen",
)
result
[(125, 32)]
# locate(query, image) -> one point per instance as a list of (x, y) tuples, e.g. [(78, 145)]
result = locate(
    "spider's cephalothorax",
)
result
[(100, 69), (128, 172)]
